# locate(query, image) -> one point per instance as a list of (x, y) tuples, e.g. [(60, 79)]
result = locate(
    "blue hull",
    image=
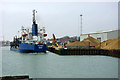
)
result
[(28, 48)]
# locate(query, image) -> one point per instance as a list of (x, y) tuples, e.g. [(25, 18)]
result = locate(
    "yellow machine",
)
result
[(54, 43)]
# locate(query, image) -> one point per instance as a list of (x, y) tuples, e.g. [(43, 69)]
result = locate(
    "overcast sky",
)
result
[(60, 18)]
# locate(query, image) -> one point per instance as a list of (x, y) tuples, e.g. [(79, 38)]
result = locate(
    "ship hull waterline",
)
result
[(27, 48)]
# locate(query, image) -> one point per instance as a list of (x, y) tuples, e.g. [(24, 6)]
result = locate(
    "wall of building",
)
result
[(83, 37), (113, 34), (103, 35)]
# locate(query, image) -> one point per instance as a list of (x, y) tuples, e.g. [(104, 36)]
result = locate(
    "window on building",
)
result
[(99, 39)]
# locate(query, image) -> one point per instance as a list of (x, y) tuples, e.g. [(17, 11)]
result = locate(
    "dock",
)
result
[(23, 77), (62, 51)]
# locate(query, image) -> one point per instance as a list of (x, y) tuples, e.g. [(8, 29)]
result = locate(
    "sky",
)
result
[(60, 18)]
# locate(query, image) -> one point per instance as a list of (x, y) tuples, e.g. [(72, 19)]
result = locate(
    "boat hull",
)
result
[(28, 48)]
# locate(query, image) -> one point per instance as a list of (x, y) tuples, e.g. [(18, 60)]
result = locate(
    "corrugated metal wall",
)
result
[(113, 34), (104, 36)]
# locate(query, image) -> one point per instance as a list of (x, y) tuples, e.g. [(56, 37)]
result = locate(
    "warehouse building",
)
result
[(102, 35)]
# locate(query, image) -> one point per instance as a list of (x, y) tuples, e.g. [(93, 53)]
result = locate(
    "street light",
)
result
[(81, 25)]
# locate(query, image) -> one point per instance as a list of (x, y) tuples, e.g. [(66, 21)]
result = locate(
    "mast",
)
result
[(34, 12), (34, 26)]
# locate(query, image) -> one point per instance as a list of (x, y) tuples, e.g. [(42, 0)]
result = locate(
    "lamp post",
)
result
[(81, 25)]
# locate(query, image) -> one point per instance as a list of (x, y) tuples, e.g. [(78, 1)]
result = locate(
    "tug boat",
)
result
[(30, 39)]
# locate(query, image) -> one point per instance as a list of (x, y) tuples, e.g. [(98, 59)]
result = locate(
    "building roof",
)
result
[(98, 32)]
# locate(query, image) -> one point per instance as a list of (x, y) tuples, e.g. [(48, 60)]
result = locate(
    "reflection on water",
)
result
[(50, 65)]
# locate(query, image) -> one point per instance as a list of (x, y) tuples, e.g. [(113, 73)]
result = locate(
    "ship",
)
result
[(30, 40)]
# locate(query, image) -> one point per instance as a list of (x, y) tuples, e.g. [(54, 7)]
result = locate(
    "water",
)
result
[(51, 65)]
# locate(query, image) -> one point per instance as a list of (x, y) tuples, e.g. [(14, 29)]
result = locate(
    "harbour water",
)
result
[(50, 65)]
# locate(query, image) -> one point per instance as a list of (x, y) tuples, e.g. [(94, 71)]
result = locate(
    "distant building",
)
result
[(4, 43), (65, 39), (102, 35)]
